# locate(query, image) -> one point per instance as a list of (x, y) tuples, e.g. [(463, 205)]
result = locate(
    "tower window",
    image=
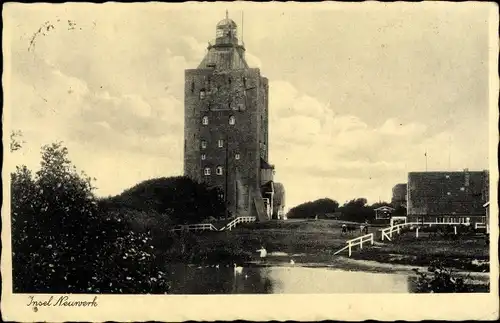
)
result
[(229, 81), (203, 156), (202, 94), (203, 144), (221, 143), (218, 170), (241, 107), (192, 86), (207, 171), (205, 120), (244, 81), (232, 120), (237, 156)]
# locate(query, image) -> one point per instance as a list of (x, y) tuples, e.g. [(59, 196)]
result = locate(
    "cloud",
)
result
[(347, 118), (314, 142), (253, 61), (395, 128)]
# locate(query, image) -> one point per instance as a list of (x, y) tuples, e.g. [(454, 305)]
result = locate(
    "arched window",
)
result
[(203, 144), (218, 170), (203, 156), (232, 120), (192, 86), (207, 171), (205, 120), (221, 143), (237, 156), (202, 94)]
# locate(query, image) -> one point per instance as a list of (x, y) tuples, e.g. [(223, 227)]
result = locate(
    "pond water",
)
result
[(186, 279)]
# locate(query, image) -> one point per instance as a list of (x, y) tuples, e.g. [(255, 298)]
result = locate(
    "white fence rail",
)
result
[(241, 219), (386, 233), (480, 225), (211, 227), (357, 242), (195, 227)]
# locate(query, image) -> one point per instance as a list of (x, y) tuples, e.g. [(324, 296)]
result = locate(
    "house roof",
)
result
[(437, 193)]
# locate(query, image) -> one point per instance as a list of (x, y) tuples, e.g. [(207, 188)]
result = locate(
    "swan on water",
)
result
[(238, 269), (292, 262)]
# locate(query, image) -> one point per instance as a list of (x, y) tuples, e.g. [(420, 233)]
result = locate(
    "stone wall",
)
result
[(219, 96)]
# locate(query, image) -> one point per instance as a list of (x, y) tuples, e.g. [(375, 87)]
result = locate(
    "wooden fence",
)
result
[(211, 227), (357, 242), (241, 219)]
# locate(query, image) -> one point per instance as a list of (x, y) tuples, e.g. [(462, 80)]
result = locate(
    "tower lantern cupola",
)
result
[(226, 32)]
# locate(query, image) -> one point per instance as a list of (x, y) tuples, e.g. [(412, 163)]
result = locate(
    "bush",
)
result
[(176, 199), (54, 224), (440, 280), (311, 209), (63, 243)]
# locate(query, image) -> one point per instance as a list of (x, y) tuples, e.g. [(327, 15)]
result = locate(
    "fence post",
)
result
[(416, 233), (349, 243), (455, 229), (361, 243)]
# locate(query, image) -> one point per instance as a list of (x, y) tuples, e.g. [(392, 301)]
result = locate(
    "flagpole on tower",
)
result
[(242, 40)]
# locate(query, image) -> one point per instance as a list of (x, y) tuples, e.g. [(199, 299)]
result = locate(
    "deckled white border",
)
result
[(409, 307)]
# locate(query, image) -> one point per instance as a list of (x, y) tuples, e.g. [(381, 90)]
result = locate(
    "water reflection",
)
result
[(278, 279)]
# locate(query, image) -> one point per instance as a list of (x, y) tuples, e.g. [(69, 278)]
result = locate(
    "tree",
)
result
[(180, 199), (311, 209), (53, 224), (63, 243), (357, 210)]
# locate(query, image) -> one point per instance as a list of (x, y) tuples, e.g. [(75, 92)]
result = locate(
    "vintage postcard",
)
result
[(244, 160)]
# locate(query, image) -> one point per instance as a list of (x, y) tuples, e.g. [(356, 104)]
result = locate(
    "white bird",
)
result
[(292, 262), (217, 266), (246, 276), (238, 269)]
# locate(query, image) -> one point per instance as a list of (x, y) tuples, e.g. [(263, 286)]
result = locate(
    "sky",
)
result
[(358, 92)]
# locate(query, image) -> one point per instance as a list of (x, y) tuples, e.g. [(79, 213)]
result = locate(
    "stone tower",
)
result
[(226, 126)]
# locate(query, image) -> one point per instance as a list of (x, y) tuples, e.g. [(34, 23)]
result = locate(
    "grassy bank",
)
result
[(315, 241)]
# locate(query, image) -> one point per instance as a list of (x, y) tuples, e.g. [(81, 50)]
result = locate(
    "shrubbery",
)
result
[(311, 209), (66, 241), (174, 200), (440, 280)]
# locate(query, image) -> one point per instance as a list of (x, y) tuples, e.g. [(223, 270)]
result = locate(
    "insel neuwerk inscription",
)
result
[(61, 301)]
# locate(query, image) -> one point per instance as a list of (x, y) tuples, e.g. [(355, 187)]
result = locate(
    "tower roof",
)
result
[(226, 53), (226, 23)]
